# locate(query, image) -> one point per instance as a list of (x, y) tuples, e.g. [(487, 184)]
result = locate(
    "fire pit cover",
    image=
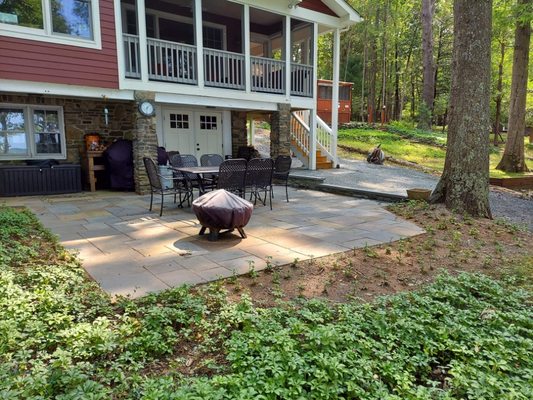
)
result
[(220, 209)]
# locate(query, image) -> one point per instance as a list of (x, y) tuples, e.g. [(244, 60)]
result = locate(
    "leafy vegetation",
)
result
[(403, 142), (61, 337)]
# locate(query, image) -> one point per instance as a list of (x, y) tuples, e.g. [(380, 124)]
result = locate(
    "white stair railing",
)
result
[(300, 133), (326, 140)]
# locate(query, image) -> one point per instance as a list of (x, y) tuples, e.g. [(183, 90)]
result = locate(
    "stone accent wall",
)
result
[(83, 116), (280, 138), (144, 143), (239, 134)]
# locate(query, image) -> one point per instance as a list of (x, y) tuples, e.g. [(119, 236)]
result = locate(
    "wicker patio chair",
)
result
[(282, 167), (232, 175), (259, 179), (157, 187), (211, 160)]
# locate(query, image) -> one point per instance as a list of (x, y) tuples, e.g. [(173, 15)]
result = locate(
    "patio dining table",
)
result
[(200, 172)]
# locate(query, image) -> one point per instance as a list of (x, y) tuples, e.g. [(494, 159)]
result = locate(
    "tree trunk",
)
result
[(499, 87), (464, 184), (424, 119), (437, 62), (373, 73), (397, 107), (513, 159)]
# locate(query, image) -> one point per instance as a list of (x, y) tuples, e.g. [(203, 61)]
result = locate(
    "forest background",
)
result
[(383, 57)]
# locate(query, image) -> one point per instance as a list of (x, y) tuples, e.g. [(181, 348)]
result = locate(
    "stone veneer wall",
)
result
[(280, 137), (239, 134), (144, 143), (83, 116)]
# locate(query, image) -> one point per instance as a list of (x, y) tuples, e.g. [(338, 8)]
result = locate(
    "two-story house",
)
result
[(72, 67)]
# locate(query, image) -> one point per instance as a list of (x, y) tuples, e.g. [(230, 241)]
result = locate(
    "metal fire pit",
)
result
[(222, 212)]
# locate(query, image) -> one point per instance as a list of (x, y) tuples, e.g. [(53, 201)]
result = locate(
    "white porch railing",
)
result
[(224, 69), (268, 75), (300, 133), (131, 55), (176, 62), (326, 140), (301, 80), (170, 61)]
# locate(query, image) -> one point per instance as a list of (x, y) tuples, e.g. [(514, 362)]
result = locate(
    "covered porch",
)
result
[(219, 44)]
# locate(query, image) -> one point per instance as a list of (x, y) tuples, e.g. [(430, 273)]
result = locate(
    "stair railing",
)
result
[(326, 140), (300, 133)]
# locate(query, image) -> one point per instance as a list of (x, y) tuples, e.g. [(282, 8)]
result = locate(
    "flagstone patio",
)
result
[(131, 251)]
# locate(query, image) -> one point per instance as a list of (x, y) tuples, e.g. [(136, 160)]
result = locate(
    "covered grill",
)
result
[(219, 210)]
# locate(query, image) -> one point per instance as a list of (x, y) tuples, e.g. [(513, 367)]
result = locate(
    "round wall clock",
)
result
[(146, 108)]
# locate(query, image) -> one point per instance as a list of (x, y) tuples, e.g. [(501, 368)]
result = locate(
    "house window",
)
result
[(179, 121), (213, 38), (72, 17), (208, 122), (31, 132), (58, 21)]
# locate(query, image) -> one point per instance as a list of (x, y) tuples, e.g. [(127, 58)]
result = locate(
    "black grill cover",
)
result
[(119, 160), (220, 209)]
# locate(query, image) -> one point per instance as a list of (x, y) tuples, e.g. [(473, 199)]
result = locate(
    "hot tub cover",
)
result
[(220, 209)]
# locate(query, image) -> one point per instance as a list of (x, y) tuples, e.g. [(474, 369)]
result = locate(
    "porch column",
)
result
[(199, 40), (312, 116), (143, 45), (280, 135), (335, 94), (251, 132), (246, 34), (287, 54), (144, 143)]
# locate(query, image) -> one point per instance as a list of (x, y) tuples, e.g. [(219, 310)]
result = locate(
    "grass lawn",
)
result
[(441, 336), (422, 148)]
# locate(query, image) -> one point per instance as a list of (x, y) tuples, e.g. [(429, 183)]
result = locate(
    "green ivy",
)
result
[(464, 337)]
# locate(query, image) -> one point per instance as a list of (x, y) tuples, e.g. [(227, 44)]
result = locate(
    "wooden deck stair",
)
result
[(322, 161)]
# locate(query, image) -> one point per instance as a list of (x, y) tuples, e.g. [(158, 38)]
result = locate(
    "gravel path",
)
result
[(505, 204)]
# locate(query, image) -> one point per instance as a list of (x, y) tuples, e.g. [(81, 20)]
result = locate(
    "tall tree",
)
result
[(464, 184), (513, 156), (428, 9)]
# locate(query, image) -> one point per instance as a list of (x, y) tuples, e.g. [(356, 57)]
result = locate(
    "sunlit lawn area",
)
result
[(414, 146)]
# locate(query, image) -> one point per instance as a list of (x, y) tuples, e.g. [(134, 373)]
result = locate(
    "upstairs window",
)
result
[(59, 21), (31, 132)]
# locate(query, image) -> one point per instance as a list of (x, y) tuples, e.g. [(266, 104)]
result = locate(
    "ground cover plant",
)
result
[(412, 147), (463, 336)]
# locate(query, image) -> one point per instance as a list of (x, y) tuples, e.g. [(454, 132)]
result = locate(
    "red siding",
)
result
[(37, 61), (317, 5)]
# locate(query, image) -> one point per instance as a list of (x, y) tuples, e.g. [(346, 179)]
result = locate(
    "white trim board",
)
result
[(56, 89)]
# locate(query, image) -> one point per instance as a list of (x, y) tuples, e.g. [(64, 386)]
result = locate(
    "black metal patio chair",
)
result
[(231, 176), (156, 187), (282, 167), (259, 179), (211, 160)]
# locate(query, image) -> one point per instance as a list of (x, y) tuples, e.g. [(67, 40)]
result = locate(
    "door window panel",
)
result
[(179, 121), (208, 122)]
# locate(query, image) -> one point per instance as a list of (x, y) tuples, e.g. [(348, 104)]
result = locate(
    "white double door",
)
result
[(193, 132)]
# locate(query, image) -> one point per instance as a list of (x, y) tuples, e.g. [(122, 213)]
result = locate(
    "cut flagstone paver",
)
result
[(131, 251)]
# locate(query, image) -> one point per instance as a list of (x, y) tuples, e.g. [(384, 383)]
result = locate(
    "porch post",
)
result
[(199, 40), (247, 63), (335, 94), (143, 45), (287, 54), (312, 116)]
